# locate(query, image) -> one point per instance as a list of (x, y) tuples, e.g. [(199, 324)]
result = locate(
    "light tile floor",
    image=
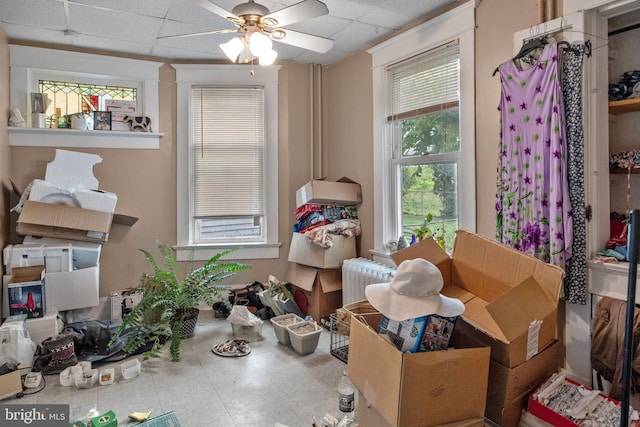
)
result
[(272, 384)]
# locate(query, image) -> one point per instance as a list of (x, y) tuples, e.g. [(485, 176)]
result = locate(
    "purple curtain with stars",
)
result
[(533, 209)]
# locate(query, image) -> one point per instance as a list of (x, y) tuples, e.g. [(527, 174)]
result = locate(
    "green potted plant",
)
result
[(170, 300)]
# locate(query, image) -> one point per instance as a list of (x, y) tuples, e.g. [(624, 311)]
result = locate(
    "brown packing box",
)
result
[(368, 416), (308, 253), (10, 384), (505, 293), (417, 389), (66, 222), (509, 388), (341, 192), (322, 288)]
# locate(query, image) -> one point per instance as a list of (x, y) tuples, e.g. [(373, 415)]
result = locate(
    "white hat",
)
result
[(413, 292)]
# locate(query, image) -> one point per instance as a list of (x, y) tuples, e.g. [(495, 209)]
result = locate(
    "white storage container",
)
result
[(304, 337), (280, 324), (130, 369)]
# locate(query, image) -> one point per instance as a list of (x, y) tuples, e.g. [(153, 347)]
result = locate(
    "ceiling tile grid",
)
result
[(139, 27)]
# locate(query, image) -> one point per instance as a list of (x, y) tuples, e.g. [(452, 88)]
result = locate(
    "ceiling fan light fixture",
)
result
[(268, 58), (233, 48), (259, 44)]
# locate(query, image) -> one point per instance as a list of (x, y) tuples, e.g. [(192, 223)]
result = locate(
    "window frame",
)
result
[(30, 64), (458, 23), (187, 76)]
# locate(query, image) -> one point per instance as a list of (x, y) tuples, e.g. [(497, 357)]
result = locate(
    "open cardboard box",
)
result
[(65, 222), (344, 191), (303, 251), (322, 288), (511, 299), (417, 389), (68, 203)]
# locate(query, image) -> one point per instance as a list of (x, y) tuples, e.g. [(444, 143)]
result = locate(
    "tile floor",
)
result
[(272, 384)]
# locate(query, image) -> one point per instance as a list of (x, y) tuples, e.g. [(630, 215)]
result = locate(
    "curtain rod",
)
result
[(623, 30)]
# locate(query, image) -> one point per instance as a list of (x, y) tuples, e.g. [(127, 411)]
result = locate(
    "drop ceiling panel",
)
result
[(157, 8), (357, 35), (132, 26), (113, 25), (37, 13)]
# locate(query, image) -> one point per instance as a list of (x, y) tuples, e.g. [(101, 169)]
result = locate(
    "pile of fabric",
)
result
[(318, 222), (628, 86)]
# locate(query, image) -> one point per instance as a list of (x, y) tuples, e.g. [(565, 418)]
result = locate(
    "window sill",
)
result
[(76, 138), (205, 252)]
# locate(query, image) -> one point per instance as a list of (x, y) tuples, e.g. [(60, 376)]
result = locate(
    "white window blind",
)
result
[(228, 150), (422, 85)]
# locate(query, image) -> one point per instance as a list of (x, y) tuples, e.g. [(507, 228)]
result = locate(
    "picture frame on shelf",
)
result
[(102, 120)]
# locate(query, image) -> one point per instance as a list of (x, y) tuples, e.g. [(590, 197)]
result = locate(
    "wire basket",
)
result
[(340, 324), (339, 344)]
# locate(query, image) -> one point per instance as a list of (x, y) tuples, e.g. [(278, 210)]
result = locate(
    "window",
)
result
[(69, 97), (227, 148), (424, 129), (73, 81), (423, 116), (227, 161)]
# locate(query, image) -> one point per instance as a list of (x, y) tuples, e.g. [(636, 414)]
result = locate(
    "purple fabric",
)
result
[(533, 209)]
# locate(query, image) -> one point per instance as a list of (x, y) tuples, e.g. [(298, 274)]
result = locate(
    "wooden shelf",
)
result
[(621, 171), (624, 106), (76, 138)]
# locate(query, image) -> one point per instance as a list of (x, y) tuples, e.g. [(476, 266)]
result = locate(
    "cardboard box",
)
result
[(322, 288), (510, 388), (21, 255), (74, 289), (26, 291), (67, 290), (44, 327), (511, 299), (319, 191), (10, 384), (83, 254), (54, 257), (59, 194), (369, 416), (65, 222), (308, 253), (425, 389), (124, 300)]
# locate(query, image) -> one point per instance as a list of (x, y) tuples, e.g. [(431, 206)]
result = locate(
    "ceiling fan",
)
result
[(257, 27)]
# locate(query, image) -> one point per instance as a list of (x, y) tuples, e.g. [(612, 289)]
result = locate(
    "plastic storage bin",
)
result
[(246, 331), (86, 379), (304, 336), (130, 369), (280, 324), (106, 376)]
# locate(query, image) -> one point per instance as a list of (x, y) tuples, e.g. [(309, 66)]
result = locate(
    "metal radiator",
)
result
[(357, 273)]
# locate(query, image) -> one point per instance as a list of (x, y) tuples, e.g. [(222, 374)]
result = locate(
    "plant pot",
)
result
[(280, 324), (304, 336), (189, 321)]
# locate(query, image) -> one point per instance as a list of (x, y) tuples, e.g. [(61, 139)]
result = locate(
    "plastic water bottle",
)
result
[(346, 397)]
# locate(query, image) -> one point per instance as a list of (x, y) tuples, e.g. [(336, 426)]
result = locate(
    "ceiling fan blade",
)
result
[(206, 4), (201, 33), (306, 9), (305, 41)]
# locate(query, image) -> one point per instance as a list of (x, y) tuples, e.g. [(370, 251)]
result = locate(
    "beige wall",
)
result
[(349, 133), (145, 182)]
